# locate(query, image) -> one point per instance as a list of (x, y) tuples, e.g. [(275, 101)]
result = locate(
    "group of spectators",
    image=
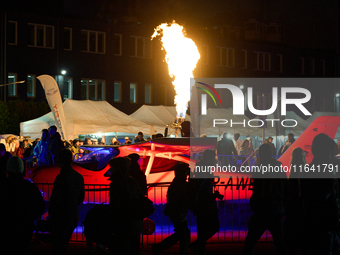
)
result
[(22, 204), (245, 147), (302, 212)]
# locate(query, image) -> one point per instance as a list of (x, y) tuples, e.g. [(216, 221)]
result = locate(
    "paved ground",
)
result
[(213, 249)]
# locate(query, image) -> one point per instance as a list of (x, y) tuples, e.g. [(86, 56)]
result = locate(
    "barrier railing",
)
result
[(234, 212)]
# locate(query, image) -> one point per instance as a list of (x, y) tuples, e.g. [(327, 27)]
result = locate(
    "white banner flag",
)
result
[(54, 101)]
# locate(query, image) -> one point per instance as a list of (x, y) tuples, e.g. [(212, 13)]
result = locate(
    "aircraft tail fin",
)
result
[(323, 124)]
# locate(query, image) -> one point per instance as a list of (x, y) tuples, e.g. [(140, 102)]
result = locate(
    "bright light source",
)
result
[(181, 56), (337, 95), (63, 72), (241, 87)]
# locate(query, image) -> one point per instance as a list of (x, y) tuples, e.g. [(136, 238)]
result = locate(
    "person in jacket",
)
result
[(67, 194), (21, 204), (40, 149), (124, 192), (55, 144), (177, 209), (270, 191), (320, 199), (225, 147), (203, 203)]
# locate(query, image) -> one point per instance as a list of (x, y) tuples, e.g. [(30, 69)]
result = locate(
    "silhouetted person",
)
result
[(4, 157), (321, 201), (124, 191), (55, 144), (288, 143), (203, 203), (21, 204), (270, 140), (136, 173), (67, 195), (294, 215), (40, 149), (176, 209), (225, 147), (238, 142), (186, 129), (267, 204)]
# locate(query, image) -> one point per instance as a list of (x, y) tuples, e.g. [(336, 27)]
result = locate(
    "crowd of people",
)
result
[(302, 214), (22, 204)]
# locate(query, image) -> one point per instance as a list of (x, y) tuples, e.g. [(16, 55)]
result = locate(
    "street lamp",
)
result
[(63, 72)]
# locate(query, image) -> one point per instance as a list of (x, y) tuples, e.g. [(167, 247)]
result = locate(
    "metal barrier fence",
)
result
[(234, 213)]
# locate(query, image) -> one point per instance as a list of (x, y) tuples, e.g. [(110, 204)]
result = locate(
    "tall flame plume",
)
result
[(181, 56)]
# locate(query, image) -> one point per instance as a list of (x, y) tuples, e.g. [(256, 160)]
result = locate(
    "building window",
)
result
[(67, 38), (226, 57), (92, 89), (12, 32), (311, 67), (302, 65), (92, 41), (140, 47), (12, 89), (68, 88), (133, 92), (244, 59), (117, 45), (117, 92), (41, 36), (147, 91), (30, 81), (323, 67), (263, 61), (279, 63), (205, 54)]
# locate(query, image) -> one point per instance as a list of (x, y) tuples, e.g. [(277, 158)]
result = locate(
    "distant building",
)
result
[(117, 62)]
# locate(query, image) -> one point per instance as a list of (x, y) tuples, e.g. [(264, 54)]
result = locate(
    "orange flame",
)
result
[(181, 56)]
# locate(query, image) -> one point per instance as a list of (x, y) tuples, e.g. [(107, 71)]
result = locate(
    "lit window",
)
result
[(92, 89), (12, 32), (30, 81), (12, 89), (84, 89), (147, 91), (41, 36), (67, 38), (117, 44), (100, 90), (92, 41), (68, 88), (133, 92), (117, 94), (140, 47)]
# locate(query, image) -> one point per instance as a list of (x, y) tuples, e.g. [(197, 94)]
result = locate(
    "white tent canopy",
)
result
[(87, 117), (157, 116)]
